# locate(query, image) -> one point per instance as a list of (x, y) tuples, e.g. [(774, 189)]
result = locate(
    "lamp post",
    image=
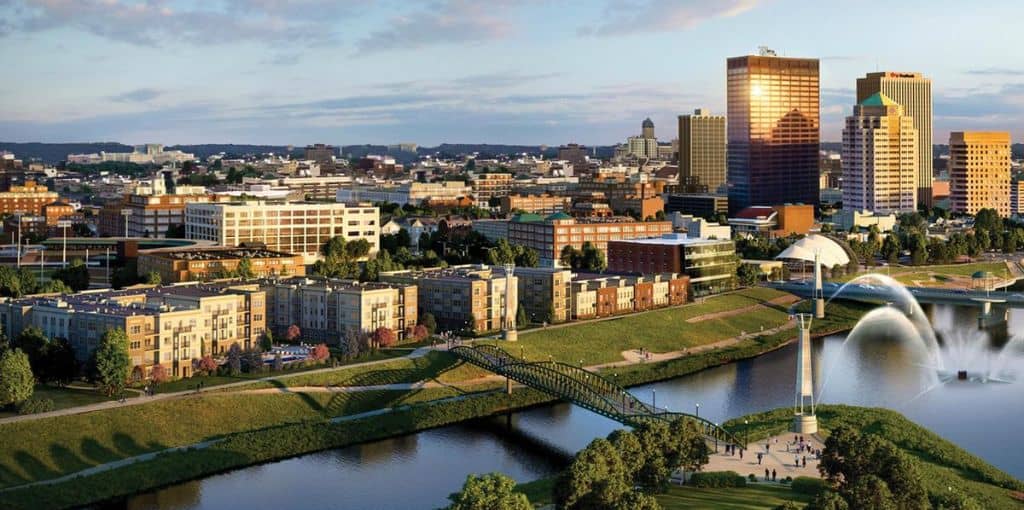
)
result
[(126, 213), (746, 433), (698, 409)]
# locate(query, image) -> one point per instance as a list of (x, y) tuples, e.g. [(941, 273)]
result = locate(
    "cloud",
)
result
[(142, 95), (996, 71), (446, 22), (155, 22), (624, 17)]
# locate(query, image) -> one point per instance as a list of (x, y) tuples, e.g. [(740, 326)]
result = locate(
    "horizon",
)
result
[(382, 72)]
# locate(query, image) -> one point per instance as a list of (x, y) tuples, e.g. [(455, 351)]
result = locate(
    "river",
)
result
[(419, 470)]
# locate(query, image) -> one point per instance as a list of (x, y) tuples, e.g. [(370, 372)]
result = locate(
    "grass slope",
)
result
[(751, 497)]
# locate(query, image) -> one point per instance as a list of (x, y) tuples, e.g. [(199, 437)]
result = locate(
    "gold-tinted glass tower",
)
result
[(701, 151), (914, 93), (774, 130)]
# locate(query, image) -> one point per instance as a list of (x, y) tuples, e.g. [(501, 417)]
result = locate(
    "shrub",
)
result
[(808, 485), (320, 352), (35, 405), (714, 479), (751, 477), (788, 479)]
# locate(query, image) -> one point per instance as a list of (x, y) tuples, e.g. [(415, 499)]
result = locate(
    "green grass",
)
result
[(539, 492), (909, 275), (213, 381), (658, 331), (64, 398), (942, 463), (751, 497)]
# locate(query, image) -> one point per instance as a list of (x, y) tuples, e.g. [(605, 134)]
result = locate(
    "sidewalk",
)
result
[(779, 456)]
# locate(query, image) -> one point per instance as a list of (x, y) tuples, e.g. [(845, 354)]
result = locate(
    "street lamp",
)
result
[(746, 433), (698, 409), (126, 213)]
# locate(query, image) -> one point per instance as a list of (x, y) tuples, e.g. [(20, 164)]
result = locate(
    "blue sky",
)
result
[(495, 71)]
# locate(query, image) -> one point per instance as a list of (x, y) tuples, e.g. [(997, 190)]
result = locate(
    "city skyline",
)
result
[(453, 71)]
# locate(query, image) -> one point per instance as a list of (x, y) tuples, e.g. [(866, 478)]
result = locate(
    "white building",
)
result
[(880, 158), (294, 227)]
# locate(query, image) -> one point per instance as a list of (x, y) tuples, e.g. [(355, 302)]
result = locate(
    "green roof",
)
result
[(527, 218), (559, 216), (879, 99)]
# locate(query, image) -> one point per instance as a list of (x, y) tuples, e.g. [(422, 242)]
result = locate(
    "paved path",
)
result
[(418, 353), (780, 456), (781, 300)]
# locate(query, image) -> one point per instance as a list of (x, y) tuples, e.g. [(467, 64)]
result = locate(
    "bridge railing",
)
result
[(583, 388)]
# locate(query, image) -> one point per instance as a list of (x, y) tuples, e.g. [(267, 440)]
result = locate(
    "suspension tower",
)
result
[(511, 303), (804, 419), (819, 295)]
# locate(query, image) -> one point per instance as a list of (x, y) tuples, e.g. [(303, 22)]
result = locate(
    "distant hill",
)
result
[(54, 153)]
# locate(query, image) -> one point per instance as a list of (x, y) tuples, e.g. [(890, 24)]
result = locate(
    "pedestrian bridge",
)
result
[(583, 388)]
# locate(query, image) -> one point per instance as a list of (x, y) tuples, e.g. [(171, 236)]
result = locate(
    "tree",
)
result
[(384, 337), (293, 333), (570, 257), (747, 274), (16, 381), (419, 333), (352, 342), (891, 249), (158, 374), (655, 471), (267, 340), (489, 492), (596, 479), (207, 365), (234, 360), (153, 278), (593, 259), (33, 343), (828, 500), (76, 275), (630, 451), (527, 257), (870, 493), (244, 269), (521, 320), (59, 363), (113, 365), (868, 470), (320, 352), (429, 322)]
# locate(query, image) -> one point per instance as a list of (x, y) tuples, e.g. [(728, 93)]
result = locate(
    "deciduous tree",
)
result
[(16, 381), (158, 374), (489, 492), (320, 352), (113, 365), (384, 337)]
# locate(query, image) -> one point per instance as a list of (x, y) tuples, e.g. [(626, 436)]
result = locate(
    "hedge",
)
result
[(717, 479)]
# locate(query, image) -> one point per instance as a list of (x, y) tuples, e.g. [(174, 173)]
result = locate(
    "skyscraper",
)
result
[(879, 158), (914, 93), (647, 128), (774, 130), (979, 172), (701, 151)]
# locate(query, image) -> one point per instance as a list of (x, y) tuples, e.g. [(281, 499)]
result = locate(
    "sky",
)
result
[(489, 71)]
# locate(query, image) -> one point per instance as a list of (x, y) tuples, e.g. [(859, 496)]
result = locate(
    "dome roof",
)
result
[(648, 123), (559, 216), (831, 253)]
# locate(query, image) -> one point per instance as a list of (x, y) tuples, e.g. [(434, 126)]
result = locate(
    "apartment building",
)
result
[(152, 215), (490, 185), (544, 293), (172, 326), (28, 198), (550, 235), (293, 227), (710, 264), (327, 309), (537, 204), (460, 297), (636, 193), (189, 265), (603, 295), (979, 172)]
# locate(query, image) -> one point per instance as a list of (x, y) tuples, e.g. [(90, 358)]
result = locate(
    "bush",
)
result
[(715, 479), (788, 479), (751, 477), (35, 405), (808, 485)]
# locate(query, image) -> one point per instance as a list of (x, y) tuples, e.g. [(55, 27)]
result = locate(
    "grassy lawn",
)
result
[(218, 380), (51, 447), (658, 331), (751, 497), (942, 463), (66, 397), (909, 275)]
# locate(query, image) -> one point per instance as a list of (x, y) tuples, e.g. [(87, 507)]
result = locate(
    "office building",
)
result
[(28, 198), (550, 235), (979, 171), (880, 158), (293, 227), (538, 204), (486, 186), (913, 92), (698, 204), (200, 264), (773, 130), (157, 215), (702, 167), (328, 309), (773, 222), (1017, 197), (710, 264), (576, 155), (460, 297), (323, 155)]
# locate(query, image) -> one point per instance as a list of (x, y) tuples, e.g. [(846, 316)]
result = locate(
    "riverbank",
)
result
[(316, 432)]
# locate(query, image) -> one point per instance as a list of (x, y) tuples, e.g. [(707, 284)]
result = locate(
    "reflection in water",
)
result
[(420, 470)]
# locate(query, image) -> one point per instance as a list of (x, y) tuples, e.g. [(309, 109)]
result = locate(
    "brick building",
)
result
[(710, 264), (550, 235), (211, 263)]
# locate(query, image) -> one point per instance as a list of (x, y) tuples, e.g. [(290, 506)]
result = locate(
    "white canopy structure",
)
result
[(831, 253)]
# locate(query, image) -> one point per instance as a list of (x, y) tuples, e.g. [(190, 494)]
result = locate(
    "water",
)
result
[(420, 470)]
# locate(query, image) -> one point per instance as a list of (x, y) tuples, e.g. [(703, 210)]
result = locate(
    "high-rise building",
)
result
[(577, 155), (880, 158), (702, 166), (1017, 197), (979, 171), (914, 93), (774, 130), (323, 155), (647, 128)]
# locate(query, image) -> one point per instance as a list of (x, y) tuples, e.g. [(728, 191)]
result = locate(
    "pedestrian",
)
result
[(796, 460), (805, 461), (767, 447), (759, 459), (766, 474), (741, 453), (773, 475)]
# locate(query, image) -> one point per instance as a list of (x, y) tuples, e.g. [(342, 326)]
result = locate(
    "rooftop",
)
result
[(676, 240), (878, 99), (223, 254)]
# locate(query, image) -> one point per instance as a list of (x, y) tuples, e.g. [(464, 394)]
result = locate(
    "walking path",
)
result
[(418, 353), (780, 456), (781, 300)]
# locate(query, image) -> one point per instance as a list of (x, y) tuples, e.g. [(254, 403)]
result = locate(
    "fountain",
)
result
[(962, 347)]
